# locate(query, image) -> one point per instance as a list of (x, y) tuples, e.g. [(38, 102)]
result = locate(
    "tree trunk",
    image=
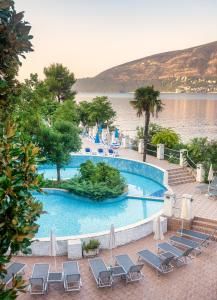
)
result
[(58, 173), (147, 120)]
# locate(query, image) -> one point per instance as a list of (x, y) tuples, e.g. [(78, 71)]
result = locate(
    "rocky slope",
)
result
[(193, 70)]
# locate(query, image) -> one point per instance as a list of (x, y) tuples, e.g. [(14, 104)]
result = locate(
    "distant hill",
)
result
[(193, 70)]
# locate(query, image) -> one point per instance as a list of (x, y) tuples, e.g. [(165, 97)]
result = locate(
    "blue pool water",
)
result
[(137, 185), (69, 215)]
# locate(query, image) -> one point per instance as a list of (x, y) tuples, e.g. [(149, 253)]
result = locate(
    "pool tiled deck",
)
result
[(196, 281)]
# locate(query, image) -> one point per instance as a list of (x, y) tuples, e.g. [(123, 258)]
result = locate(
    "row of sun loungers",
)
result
[(41, 276), (169, 255), (102, 152)]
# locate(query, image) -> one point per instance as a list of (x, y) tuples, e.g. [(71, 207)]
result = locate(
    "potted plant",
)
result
[(91, 248)]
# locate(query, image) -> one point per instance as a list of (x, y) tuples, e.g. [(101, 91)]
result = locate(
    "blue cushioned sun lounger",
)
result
[(180, 257), (12, 270), (38, 279), (162, 266), (101, 273), (183, 242), (196, 235), (71, 276), (133, 271)]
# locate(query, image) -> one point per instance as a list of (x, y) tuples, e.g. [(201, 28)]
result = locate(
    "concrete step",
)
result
[(177, 170), (205, 220), (178, 182), (175, 177), (206, 225), (205, 230), (179, 176)]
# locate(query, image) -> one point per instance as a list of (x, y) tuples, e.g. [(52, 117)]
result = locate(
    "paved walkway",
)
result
[(196, 281)]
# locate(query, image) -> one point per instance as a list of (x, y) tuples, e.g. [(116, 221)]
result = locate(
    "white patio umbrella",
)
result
[(90, 132), (158, 230), (95, 130), (186, 212), (53, 246), (210, 175), (111, 243), (104, 135)]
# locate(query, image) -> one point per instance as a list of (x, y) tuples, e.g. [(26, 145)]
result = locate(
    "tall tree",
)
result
[(60, 81), (58, 141), (147, 102), (14, 43), (67, 111), (101, 111), (84, 111), (19, 210), (35, 106)]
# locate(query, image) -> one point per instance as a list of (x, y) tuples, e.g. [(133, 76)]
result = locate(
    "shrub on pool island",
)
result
[(96, 181)]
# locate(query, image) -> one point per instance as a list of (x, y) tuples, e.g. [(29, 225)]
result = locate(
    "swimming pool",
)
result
[(72, 215)]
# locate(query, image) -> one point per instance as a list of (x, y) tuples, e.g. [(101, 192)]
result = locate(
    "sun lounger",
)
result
[(101, 151), (186, 243), (101, 273), (71, 276), (88, 151), (197, 235), (39, 278), (133, 271), (212, 189), (180, 257), (12, 270), (162, 266)]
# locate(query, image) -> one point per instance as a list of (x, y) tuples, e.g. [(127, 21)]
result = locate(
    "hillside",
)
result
[(192, 70)]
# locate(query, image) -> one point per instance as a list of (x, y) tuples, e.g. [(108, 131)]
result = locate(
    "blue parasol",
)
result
[(116, 133), (97, 139)]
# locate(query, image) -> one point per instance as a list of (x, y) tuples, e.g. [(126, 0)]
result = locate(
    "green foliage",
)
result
[(153, 129), (19, 210), (203, 151), (35, 107), (58, 141), (91, 245), (198, 149), (147, 102), (84, 110), (166, 136), (14, 43), (99, 111), (67, 111), (97, 182), (59, 81)]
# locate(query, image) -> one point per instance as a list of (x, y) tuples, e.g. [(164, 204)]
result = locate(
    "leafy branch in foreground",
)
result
[(19, 210)]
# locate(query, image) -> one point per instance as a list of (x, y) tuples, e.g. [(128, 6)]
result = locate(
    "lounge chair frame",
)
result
[(134, 272), (98, 279), (165, 266), (74, 277), (44, 282), (18, 272)]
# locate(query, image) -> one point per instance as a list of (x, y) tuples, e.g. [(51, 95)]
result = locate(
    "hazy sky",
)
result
[(89, 36)]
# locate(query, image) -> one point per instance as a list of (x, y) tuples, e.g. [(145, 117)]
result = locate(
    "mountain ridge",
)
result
[(193, 70)]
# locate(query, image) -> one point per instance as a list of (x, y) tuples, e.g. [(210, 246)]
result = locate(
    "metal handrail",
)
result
[(174, 150)]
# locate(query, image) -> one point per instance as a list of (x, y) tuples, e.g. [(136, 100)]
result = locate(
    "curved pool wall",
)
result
[(126, 165), (123, 235)]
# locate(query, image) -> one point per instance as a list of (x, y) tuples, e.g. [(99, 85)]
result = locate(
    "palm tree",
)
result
[(146, 102)]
